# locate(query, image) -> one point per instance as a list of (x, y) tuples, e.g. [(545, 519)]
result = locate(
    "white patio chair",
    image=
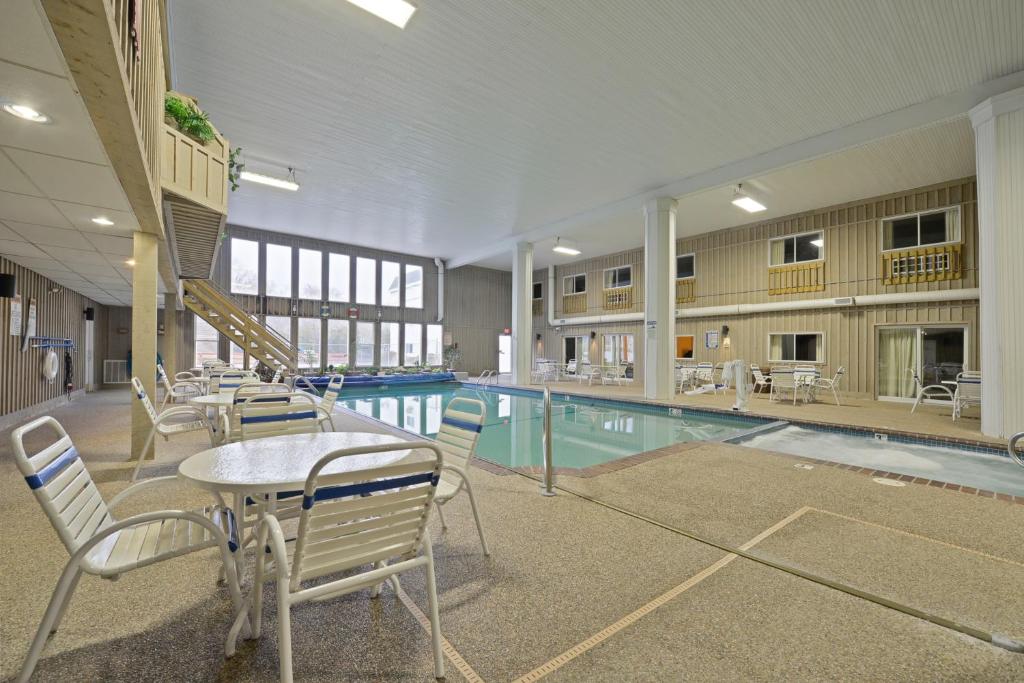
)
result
[(570, 367), (232, 379), (615, 374), (172, 392), (782, 381), (183, 376), (98, 543), (760, 381), (831, 384), (370, 517), (806, 378), (326, 407), (278, 375), (968, 392), (302, 383), (460, 430), (705, 374), (231, 427), (260, 418), (174, 420), (929, 391)]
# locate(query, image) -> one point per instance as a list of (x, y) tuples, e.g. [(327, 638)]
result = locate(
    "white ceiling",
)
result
[(486, 120), (55, 177)]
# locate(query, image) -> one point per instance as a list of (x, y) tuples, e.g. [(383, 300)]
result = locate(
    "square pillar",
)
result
[(171, 335), (999, 147), (144, 322), (659, 297), (522, 313)]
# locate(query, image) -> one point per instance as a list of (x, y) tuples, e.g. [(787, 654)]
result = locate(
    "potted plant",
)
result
[(451, 356), (185, 115)]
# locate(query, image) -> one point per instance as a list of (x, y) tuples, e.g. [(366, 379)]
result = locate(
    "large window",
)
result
[(338, 278), (435, 345), (618, 277), (390, 284), (618, 349), (413, 286), (245, 266), (366, 281), (389, 345), (309, 342), (279, 270), (934, 227), (337, 342), (365, 341), (574, 284), (685, 266), (237, 356), (206, 341), (805, 347), (281, 324), (797, 248), (311, 263), (412, 350)]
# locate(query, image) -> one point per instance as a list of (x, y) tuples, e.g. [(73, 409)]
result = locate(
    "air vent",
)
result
[(843, 301)]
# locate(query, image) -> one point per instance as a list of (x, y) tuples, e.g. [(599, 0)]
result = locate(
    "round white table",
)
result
[(224, 399)]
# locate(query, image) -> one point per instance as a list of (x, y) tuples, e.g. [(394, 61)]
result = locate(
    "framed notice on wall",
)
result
[(711, 339), (30, 331), (16, 315)]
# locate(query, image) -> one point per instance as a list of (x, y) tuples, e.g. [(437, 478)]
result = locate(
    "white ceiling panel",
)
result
[(75, 257), (40, 264), (72, 181), (12, 179), (110, 245), (25, 38), (88, 270), (104, 281), (36, 210), (12, 248), (55, 237), (7, 234), (81, 215)]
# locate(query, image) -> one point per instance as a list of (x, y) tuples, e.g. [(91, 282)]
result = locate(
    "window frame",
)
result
[(405, 341), (319, 343), (298, 274), (196, 339), (401, 284), (291, 270), (348, 341), (405, 267), (394, 346), (348, 279), (364, 324), (821, 249), (426, 343), (918, 214), (231, 273), (693, 255), (604, 277), (820, 361), (573, 278), (376, 280)]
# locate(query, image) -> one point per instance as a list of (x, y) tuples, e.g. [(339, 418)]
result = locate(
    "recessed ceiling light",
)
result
[(397, 12), (130, 262), (25, 112), (102, 220), (560, 248), (281, 183)]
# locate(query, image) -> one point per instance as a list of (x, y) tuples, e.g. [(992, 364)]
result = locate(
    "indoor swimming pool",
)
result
[(982, 470), (585, 432)]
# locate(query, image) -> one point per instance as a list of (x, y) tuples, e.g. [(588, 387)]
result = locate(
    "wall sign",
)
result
[(16, 315), (711, 339), (353, 312)]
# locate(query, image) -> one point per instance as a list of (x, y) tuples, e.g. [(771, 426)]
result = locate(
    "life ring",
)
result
[(50, 364)]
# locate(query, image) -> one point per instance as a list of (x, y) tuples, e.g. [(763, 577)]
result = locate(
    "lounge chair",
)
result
[(968, 392), (930, 391)]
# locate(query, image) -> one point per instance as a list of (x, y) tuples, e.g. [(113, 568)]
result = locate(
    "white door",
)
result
[(504, 353), (89, 380)]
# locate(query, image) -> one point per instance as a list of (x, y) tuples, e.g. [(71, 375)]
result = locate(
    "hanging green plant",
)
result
[(190, 119), (235, 167)]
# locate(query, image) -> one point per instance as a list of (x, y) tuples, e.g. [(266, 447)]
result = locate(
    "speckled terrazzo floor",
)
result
[(561, 571)]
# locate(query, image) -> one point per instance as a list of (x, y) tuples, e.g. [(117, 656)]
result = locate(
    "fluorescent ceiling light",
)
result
[(281, 183), (102, 220), (24, 112), (560, 248), (818, 243), (130, 262), (397, 12), (748, 204)]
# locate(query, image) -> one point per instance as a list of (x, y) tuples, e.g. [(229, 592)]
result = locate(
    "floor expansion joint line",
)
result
[(634, 616), (996, 639), (449, 650)]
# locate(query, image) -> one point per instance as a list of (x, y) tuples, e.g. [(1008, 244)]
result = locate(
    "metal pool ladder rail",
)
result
[(1012, 448), (548, 484)]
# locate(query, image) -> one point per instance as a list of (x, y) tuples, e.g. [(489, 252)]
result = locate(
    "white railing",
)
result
[(116, 372)]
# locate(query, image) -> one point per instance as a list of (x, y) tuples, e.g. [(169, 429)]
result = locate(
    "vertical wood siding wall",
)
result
[(59, 314), (119, 336), (478, 307)]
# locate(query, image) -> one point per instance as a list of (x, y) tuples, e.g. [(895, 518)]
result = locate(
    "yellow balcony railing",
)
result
[(574, 303), (796, 277), (618, 298), (922, 264), (686, 291)]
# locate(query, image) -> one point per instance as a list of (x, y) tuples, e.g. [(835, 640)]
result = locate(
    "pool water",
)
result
[(948, 464), (584, 432)]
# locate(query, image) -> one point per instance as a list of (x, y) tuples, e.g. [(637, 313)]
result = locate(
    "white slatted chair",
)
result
[(968, 392), (231, 427), (348, 521), (98, 543), (806, 378), (928, 391), (760, 381), (302, 383), (705, 375), (183, 376), (260, 418), (178, 390), (232, 379), (326, 407), (615, 374), (278, 375), (782, 381), (174, 420), (210, 365), (461, 425), (831, 384)]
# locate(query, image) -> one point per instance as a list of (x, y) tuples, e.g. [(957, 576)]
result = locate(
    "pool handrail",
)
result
[(549, 473)]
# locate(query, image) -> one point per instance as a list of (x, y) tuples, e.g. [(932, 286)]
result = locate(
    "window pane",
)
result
[(309, 342), (279, 270), (414, 286), (933, 228), (366, 281), (365, 341), (618, 277), (538, 291), (337, 342), (901, 233), (206, 341), (388, 345), (245, 266), (684, 266), (237, 359), (310, 274), (788, 347), (790, 250), (281, 324), (581, 283), (413, 349), (805, 347), (435, 350), (390, 284), (338, 278), (808, 247)]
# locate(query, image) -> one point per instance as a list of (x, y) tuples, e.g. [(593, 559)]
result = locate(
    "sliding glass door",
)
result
[(937, 354)]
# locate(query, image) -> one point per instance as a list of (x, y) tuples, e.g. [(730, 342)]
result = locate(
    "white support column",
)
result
[(522, 313), (659, 297), (144, 294), (999, 144), (170, 344)]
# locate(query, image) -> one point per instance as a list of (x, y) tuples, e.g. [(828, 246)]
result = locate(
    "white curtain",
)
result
[(775, 347), (778, 252), (897, 356)]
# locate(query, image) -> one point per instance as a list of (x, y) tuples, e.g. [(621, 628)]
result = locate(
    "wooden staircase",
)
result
[(215, 306)]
